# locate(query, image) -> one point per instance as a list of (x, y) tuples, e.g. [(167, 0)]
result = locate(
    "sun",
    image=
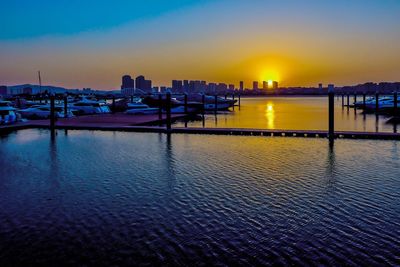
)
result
[(270, 75)]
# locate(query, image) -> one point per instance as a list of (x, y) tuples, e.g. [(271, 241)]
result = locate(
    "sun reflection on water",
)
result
[(270, 115)]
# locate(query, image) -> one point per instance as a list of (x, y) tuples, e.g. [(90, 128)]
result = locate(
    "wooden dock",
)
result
[(208, 131)]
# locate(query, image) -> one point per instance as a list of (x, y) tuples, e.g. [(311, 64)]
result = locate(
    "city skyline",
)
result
[(220, 41)]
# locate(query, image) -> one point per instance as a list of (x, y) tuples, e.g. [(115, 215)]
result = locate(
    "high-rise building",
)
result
[(140, 82), (221, 88), (127, 82), (177, 86), (274, 85), (3, 90), (265, 85), (147, 85), (255, 85), (241, 86)]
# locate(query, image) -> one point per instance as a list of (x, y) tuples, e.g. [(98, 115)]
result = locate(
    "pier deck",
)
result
[(128, 126)]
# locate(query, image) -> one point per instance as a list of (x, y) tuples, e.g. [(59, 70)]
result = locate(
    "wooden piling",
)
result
[(203, 101), (52, 113), (376, 102), (113, 104), (168, 110), (215, 104), (331, 96), (355, 98), (186, 103), (342, 99), (65, 106), (364, 100), (160, 106), (348, 99)]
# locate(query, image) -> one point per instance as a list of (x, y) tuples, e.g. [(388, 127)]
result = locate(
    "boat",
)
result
[(43, 112), (141, 109), (209, 101), (85, 106), (8, 114)]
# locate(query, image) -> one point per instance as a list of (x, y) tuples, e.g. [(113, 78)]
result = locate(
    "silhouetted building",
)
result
[(3, 90), (255, 85), (185, 86), (143, 84), (177, 86), (127, 82), (274, 85), (231, 87), (140, 82), (241, 86), (265, 85), (221, 88)]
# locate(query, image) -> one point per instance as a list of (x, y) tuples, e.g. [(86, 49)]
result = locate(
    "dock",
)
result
[(128, 123)]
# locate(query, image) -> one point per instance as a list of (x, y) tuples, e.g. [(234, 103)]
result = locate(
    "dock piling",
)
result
[(159, 106), (215, 104), (239, 101), (52, 113), (376, 102), (168, 111), (113, 104), (348, 100), (65, 106), (331, 96), (342, 99), (186, 103), (364, 100)]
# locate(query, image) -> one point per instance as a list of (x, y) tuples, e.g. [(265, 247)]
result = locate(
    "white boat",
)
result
[(7, 113), (181, 109), (220, 106), (138, 108), (86, 106), (383, 102), (43, 112)]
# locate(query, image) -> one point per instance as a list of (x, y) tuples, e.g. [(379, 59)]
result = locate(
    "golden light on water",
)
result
[(270, 115)]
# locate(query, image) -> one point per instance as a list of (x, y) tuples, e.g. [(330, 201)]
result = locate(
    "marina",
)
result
[(199, 133)]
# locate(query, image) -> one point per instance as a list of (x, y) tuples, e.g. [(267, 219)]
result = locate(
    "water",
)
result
[(294, 113), (114, 199)]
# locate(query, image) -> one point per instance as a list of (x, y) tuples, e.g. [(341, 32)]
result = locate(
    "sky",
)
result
[(78, 44)]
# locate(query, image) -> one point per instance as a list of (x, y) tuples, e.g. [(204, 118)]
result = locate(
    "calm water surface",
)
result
[(294, 113), (113, 199)]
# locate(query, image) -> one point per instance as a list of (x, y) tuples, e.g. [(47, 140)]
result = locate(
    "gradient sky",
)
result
[(79, 44)]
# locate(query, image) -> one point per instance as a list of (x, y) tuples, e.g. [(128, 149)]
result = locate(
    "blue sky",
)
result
[(25, 19)]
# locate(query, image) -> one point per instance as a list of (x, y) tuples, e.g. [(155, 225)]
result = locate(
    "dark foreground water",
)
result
[(295, 113), (112, 199)]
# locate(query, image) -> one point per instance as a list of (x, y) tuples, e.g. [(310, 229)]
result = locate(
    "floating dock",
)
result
[(141, 123)]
